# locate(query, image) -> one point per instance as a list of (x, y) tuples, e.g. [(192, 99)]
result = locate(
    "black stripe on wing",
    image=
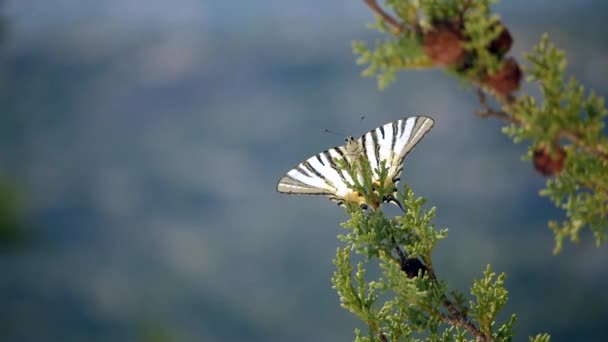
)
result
[(318, 175), (413, 135), (393, 141)]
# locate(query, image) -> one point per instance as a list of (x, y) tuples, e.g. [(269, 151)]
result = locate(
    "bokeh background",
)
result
[(141, 142)]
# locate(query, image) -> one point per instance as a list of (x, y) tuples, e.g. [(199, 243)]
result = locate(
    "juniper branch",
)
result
[(456, 318), (488, 111), (507, 103), (465, 324), (564, 126), (576, 140), (373, 235), (392, 22)]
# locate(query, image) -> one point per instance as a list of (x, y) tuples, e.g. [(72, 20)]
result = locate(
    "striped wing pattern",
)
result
[(320, 175), (393, 141)]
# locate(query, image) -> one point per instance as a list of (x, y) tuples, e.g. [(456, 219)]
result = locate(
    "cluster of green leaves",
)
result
[(491, 297), (391, 55), (581, 189), (394, 306), (540, 338), (405, 49), (566, 110), (481, 27), (10, 216)]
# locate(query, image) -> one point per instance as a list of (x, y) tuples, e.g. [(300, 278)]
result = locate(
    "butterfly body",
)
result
[(390, 143)]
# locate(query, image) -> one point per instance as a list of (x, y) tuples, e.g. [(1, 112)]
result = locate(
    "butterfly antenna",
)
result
[(361, 120), (334, 132)]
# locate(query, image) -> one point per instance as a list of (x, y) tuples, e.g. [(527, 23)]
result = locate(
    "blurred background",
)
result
[(141, 142)]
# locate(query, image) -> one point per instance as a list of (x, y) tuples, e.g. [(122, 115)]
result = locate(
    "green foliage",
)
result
[(396, 307), (405, 49), (481, 27), (359, 297), (400, 306), (564, 106), (437, 10), (491, 296), (149, 331), (390, 56), (10, 216), (540, 338), (581, 189), (564, 114)]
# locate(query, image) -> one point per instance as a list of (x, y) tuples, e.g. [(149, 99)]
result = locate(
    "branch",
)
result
[(392, 22), (490, 112), (466, 325), (573, 137), (457, 318), (378, 331), (400, 253)]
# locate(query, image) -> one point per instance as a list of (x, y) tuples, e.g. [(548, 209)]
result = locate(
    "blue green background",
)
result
[(145, 139)]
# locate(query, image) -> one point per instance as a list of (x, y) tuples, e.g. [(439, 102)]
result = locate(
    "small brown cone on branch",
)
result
[(443, 45), (547, 164), (506, 80), (502, 44)]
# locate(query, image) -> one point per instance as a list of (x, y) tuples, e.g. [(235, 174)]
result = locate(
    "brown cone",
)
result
[(506, 80), (546, 164), (443, 45), (502, 44)]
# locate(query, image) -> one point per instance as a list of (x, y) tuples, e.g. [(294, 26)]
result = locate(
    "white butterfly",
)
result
[(320, 174)]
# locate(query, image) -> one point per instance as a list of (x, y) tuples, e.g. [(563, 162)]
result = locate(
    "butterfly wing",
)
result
[(320, 175), (392, 142)]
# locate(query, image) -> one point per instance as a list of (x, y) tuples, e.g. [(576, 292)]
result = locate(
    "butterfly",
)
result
[(390, 143)]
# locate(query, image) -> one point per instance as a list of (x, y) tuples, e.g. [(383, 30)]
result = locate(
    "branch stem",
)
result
[(400, 253), (392, 22), (571, 136), (488, 111), (576, 139), (456, 317)]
